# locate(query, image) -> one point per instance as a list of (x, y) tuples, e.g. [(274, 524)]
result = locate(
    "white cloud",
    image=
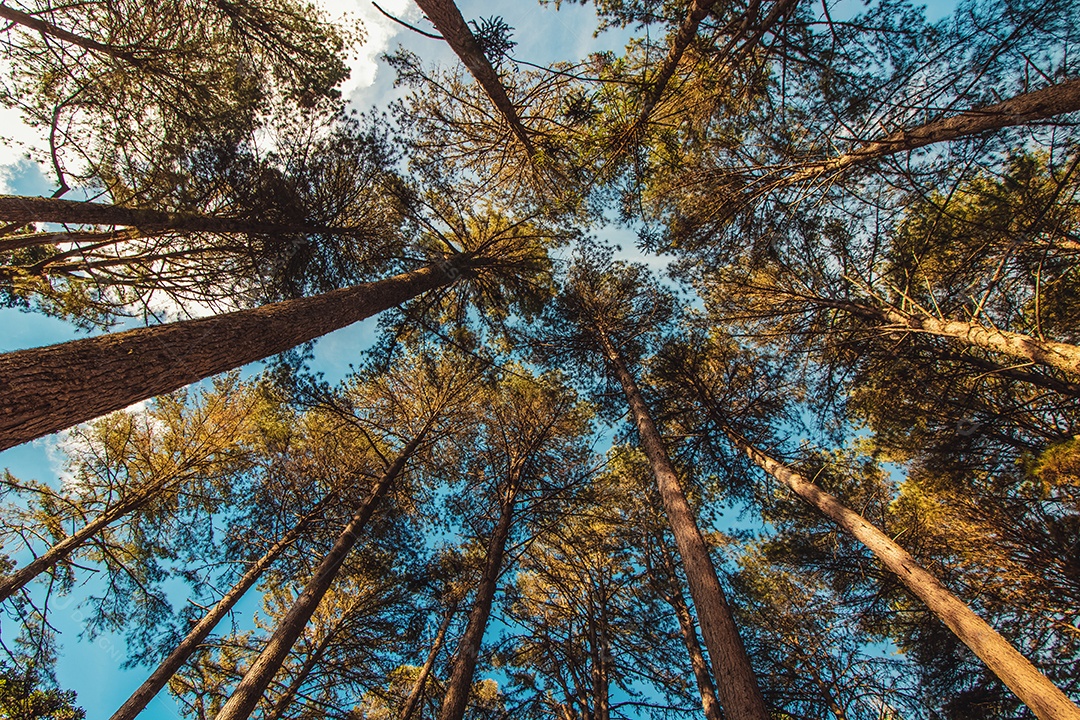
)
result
[(378, 32)]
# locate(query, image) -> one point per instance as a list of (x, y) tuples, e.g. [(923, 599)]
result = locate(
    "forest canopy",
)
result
[(729, 367)]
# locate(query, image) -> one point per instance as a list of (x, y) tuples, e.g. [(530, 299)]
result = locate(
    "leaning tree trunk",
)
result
[(468, 650), (44, 390), (25, 209), (1064, 97), (446, 17), (1057, 355), (700, 666), (425, 670), (735, 681), (180, 654), (286, 699), (261, 672), (1019, 675), (49, 29)]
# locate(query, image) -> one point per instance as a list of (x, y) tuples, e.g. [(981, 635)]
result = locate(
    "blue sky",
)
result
[(543, 35)]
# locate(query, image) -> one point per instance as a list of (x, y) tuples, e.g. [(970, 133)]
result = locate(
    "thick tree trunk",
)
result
[(180, 654), (1012, 668), (44, 390), (68, 545), (446, 17), (735, 681), (682, 39), (468, 650), (1022, 109), (254, 683), (24, 209), (425, 670), (700, 666)]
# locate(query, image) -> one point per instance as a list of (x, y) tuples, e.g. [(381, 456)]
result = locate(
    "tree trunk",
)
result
[(1057, 355), (683, 37), (24, 209), (179, 656), (57, 552), (47, 28), (1012, 668), (98, 239), (286, 698), (425, 670), (44, 390), (446, 17), (735, 681), (674, 597), (1064, 97), (468, 650), (255, 681)]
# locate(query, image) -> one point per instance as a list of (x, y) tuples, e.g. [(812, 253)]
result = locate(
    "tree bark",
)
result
[(180, 654), (700, 666), (1057, 355), (24, 209), (98, 239), (468, 650), (446, 17), (735, 681), (46, 28), (44, 390), (286, 698), (1013, 669), (255, 681), (60, 550), (425, 670), (682, 39), (1064, 97)]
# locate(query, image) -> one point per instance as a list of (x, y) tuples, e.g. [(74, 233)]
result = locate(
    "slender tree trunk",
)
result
[(446, 17), (602, 687), (425, 670), (57, 552), (674, 597), (468, 650), (98, 239), (44, 390), (1012, 668), (1057, 355), (46, 28), (735, 681), (1064, 97), (27, 209), (180, 654), (286, 699), (254, 683), (1015, 373), (699, 9)]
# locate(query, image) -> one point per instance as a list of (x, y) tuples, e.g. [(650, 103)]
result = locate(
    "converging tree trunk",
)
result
[(261, 672), (735, 681), (44, 390), (1064, 97), (674, 597), (180, 654), (468, 650), (446, 17), (1013, 669), (417, 691), (24, 209)]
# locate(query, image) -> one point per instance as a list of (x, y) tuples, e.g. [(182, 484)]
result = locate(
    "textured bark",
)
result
[(261, 672), (1022, 109), (1057, 355), (682, 39), (46, 28), (1012, 668), (44, 390), (700, 666), (180, 654), (68, 545), (468, 650), (25, 209), (446, 17), (735, 681), (425, 670)]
